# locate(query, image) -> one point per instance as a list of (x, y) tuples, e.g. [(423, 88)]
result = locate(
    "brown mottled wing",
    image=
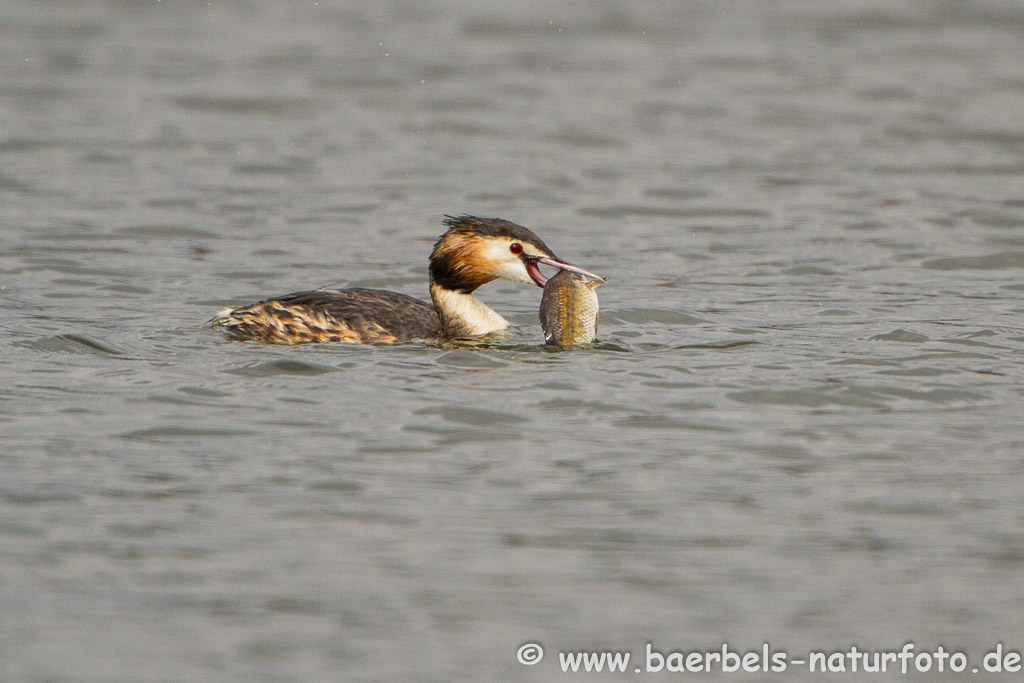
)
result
[(322, 315), (391, 310)]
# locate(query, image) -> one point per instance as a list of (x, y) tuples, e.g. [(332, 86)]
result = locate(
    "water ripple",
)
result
[(275, 368)]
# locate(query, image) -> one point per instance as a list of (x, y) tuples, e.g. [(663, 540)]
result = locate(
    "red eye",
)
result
[(515, 248)]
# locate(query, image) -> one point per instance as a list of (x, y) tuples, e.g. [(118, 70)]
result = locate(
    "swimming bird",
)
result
[(472, 252)]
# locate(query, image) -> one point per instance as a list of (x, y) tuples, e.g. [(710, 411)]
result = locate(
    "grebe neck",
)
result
[(462, 314)]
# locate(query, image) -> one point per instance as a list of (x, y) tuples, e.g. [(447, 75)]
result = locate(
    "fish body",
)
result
[(569, 309)]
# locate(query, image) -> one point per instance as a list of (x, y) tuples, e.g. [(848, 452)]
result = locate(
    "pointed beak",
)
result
[(538, 277)]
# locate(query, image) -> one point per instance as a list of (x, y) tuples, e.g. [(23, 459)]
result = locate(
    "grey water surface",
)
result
[(802, 424)]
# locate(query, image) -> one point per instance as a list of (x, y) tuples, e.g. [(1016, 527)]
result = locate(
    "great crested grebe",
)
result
[(471, 253)]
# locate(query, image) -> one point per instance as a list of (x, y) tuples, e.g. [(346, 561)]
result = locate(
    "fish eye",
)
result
[(515, 248)]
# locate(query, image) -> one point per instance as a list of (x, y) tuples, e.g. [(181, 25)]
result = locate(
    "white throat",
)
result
[(463, 315)]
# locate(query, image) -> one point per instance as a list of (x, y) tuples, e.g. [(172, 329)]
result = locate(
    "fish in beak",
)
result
[(533, 268)]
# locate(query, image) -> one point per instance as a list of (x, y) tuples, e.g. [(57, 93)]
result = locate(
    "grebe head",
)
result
[(475, 251)]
